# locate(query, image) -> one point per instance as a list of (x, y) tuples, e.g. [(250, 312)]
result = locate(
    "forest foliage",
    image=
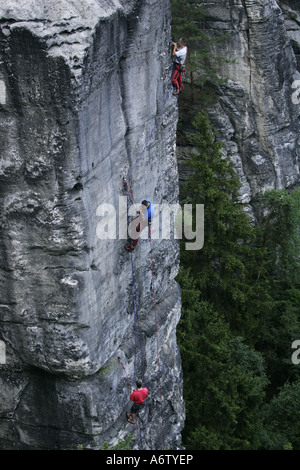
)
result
[(240, 300)]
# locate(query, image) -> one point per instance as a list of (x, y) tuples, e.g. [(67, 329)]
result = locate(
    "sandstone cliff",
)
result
[(254, 113), (81, 86)]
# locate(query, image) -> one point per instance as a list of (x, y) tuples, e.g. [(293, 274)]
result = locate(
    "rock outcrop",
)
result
[(81, 86)]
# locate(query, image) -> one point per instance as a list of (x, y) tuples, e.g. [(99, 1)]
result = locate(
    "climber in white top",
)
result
[(180, 58)]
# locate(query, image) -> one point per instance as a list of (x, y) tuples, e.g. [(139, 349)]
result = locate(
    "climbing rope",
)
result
[(136, 326), (129, 193), (136, 424), (124, 370), (136, 317)]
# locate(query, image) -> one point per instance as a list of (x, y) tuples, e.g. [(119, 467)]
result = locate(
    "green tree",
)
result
[(240, 309), (278, 233), (225, 267), (281, 419), (224, 379)]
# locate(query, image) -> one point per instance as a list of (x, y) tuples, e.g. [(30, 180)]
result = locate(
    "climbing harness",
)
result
[(178, 73)]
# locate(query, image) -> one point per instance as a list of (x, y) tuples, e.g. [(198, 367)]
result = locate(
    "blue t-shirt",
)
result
[(150, 211)]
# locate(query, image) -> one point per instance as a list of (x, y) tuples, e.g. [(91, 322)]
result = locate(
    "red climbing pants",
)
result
[(138, 228), (176, 79)]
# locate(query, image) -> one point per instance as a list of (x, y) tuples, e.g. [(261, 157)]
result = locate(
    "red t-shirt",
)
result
[(139, 396)]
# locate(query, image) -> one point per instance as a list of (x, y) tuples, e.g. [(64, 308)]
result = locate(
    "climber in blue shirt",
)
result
[(146, 215), (150, 210)]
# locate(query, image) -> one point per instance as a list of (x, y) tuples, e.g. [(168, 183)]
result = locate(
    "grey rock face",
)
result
[(81, 86), (291, 11), (254, 115)]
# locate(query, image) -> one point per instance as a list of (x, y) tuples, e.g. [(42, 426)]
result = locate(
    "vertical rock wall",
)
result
[(254, 113), (81, 87)]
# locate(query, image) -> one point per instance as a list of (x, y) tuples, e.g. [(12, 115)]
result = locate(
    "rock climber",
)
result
[(138, 397), (179, 53), (144, 219)]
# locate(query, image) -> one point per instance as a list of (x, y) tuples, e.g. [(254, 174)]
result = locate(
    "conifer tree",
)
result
[(277, 237), (240, 307), (224, 379), (281, 420), (240, 292), (223, 267)]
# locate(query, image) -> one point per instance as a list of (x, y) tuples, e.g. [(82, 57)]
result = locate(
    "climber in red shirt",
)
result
[(138, 397)]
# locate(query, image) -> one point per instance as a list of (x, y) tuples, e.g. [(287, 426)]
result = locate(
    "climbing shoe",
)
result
[(129, 248)]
